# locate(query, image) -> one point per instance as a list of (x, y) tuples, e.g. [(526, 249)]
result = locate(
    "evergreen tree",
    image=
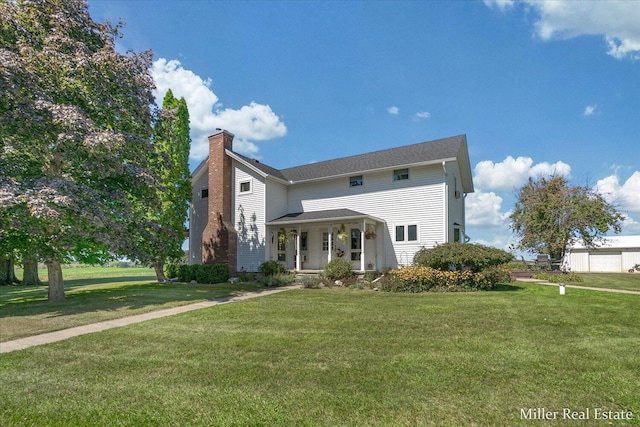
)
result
[(162, 240)]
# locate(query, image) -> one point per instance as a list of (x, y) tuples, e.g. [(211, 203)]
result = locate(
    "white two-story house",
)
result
[(374, 209)]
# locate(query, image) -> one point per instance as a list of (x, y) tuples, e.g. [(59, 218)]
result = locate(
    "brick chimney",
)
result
[(219, 239)]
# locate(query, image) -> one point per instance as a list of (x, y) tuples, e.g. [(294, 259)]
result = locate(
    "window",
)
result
[(325, 242), (456, 235), (356, 245), (204, 193), (407, 233), (412, 233), (245, 187), (282, 251), (400, 174), (355, 181), (303, 241)]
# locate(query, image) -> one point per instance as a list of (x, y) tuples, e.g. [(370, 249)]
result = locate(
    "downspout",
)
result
[(445, 228)]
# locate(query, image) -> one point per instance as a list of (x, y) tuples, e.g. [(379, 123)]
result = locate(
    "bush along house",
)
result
[(375, 210)]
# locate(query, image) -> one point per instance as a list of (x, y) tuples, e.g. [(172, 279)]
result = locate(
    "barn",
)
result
[(617, 254)]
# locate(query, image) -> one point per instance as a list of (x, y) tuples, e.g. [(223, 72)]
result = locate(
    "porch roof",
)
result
[(321, 216)]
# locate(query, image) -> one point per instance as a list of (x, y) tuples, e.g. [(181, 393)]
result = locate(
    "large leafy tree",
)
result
[(75, 125), (164, 232), (550, 215)]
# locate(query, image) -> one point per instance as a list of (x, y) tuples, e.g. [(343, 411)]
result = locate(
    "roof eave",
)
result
[(334, 219)]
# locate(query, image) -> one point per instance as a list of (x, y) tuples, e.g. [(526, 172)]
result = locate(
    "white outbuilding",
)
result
[(615, 255)]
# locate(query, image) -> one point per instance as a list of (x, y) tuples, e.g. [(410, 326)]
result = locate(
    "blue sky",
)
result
[(537, 87)]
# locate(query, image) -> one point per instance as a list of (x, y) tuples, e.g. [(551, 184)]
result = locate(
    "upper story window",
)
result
[(204, 193), (400, 174), (245, 187), (355, 181)]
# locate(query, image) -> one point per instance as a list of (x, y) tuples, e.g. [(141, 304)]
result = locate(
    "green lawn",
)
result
[(627, 281), (335, 357), (95, 295)]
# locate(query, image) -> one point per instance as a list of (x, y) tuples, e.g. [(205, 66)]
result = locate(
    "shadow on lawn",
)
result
[(503, 287), (130, 298)]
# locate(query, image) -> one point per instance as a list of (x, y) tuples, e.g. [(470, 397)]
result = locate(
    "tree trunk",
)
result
[(159, 268), (56, 285), (7, 271), (30, 275)]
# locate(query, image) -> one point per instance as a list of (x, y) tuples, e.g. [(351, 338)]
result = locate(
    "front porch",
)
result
[(307, 241)]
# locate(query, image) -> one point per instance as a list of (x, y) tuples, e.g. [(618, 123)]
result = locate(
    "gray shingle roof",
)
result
[(447, 148), (330, 214), (262, 167)]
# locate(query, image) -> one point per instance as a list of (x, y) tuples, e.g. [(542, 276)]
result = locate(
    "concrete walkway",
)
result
[(22, 343), (590, 288)]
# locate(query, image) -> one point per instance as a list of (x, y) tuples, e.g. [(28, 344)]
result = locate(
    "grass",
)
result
[(626, 281), (95, 295), (336, 357)]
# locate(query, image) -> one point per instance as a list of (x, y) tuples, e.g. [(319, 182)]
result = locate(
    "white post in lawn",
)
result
[(562, 289)]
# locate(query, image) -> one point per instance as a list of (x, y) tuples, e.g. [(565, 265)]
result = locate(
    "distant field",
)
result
[(89, 272)]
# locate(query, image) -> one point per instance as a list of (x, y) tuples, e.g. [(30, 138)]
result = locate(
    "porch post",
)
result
[(298, 250), (330, 241), (267, 243), (362, 245)]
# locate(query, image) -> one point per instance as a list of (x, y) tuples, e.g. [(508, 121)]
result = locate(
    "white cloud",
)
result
[(617, 21), (393, 110), (511, 173), (484, 209), (422, 115), (590, 110), (626, 196), (500, 4), (253, 122)]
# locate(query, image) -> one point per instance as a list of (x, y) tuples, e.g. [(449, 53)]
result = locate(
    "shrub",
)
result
[(276, 280), (338, 269), (557, 277), (271, 268), (212, 273), (309, 282), (245, 277), (171, 271), (423, 279), (184, 273), (473, 256), (497, 274), (203, 273)]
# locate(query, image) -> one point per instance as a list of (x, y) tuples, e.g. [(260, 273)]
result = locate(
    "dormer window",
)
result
[(204, 193), (355, 181), (400, 174)]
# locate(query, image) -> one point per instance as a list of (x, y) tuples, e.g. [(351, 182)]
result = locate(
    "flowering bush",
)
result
[(422, 279)]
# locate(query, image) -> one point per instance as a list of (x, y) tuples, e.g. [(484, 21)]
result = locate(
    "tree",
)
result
[(162, 239), (75, 125), (550, 215)]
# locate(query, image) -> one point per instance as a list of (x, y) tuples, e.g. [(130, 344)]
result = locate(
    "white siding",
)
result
[(249, 218), (579, 261), (418, 200), (630, 258)]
